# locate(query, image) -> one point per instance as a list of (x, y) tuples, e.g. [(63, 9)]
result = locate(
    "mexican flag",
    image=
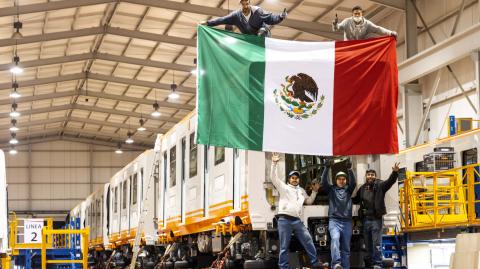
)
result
[(315, 98)]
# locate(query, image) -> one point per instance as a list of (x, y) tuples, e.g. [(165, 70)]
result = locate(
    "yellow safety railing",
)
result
[(16, 231), (51, 239), (439, 199), (459, 124), (62, 240)]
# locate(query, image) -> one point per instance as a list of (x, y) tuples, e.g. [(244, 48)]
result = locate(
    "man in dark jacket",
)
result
[(251, 20), (340, 215), (371, 197)]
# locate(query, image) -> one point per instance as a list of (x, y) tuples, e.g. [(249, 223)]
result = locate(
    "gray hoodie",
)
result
[(365, 29)]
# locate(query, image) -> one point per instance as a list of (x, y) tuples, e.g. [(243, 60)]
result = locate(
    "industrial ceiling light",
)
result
[(141, 128), (173, 94), (173, 87), (14, 140), (119, 148), (14, 127), (155, 112), (16, 68), (14, 93), (14, 113), (17, 25), (13, 151), (129, 139)]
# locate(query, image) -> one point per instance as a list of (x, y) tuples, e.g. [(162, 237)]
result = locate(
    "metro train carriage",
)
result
[(3, 208), (197, 198)]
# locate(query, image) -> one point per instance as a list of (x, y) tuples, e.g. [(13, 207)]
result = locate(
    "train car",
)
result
[(127, 190), (3, 207)]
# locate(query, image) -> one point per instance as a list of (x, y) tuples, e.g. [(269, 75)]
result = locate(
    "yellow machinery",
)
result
[(60, 248), (444, 199)]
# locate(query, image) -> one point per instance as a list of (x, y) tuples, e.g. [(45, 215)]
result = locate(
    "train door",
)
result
[(206, 179), (134, 212), (182, 180), (237, 203), (164, 188), (156, 191)]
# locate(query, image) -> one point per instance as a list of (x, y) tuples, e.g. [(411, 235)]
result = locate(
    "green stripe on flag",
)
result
[(231, 74)]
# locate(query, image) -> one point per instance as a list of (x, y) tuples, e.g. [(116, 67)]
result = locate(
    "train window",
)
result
[(124, 194), (193, 156), (184, 161), (219, 155), (141, 184), (134, 189), (173, 166), (115, 200)]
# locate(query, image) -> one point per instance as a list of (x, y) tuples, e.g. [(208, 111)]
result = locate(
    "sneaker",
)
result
[(337, 266), (377, 267)]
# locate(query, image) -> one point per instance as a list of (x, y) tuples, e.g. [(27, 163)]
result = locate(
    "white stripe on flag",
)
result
[(306, 135)]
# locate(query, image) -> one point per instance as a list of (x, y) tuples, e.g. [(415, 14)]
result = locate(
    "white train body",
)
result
[(3, 207)]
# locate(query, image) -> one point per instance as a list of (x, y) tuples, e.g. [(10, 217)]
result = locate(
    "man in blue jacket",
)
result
[(251, 20), (340, 214)]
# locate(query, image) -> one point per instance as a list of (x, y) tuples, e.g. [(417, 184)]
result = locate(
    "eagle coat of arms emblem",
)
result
[(298, 97)]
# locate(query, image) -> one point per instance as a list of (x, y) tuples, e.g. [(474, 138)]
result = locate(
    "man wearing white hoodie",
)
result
[(292, 198)]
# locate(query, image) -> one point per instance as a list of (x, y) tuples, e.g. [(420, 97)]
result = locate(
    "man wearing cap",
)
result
[(292, 199), (371, 197), (339, 214), (250, 20), (357, 27)]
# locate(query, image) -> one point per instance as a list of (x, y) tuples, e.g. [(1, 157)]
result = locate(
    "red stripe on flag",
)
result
[(365, 97)]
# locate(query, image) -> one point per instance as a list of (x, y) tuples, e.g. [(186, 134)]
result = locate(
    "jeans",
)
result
[(285, 229), (372, 232), (340, 235)]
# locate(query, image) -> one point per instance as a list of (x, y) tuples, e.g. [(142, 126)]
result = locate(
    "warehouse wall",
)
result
[(58, 175)]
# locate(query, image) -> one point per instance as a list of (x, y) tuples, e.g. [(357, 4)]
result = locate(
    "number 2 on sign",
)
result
[(34, 237)]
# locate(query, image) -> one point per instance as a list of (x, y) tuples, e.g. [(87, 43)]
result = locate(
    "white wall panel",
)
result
[(60, 158), (21, 159), (17, 175), (17, 205), (18, 191), (60, 174), (60, 145)]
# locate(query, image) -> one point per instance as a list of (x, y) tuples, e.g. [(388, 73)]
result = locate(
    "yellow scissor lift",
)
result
[(445, 199), (59, 248)]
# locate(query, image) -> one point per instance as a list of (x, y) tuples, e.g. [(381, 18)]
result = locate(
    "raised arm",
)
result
[(373, 28), (387, 184), (279, 184), (228, 19), (339, 26), (325, 185), (270, 18), (310, 199), (352, 181)]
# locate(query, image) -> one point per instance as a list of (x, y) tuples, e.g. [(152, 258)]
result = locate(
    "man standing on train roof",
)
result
[(371, 197), (292, 199), (251, 20), (357, 27), (339, 214)]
